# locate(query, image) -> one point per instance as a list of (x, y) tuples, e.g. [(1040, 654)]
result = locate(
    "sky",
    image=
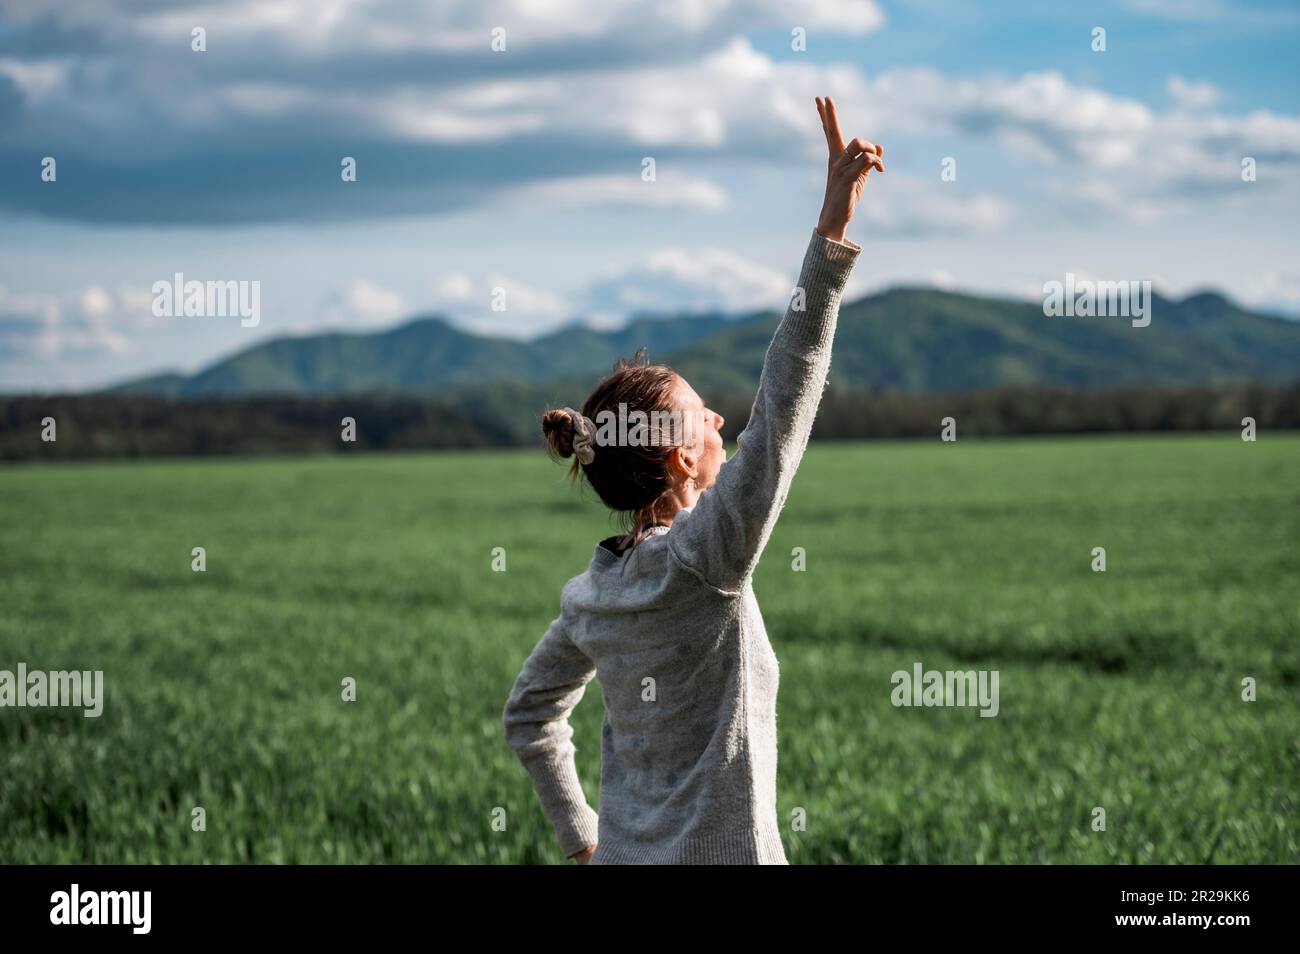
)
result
[(501, 160)]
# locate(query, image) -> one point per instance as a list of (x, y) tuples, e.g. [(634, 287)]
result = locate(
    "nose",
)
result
[(720, 420)]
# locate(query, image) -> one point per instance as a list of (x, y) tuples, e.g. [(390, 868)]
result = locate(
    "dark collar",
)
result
[(611, 543)]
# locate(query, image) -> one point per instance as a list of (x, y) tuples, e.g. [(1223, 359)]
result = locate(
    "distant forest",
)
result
[(128, 426)]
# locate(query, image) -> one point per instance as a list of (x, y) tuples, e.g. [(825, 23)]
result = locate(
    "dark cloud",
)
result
[(265, 175), (146, 130), (128, 152)]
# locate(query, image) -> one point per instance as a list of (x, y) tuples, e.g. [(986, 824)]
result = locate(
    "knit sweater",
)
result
[(673, 633)]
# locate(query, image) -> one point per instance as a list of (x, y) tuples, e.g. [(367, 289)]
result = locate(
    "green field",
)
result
[(1119, 689)]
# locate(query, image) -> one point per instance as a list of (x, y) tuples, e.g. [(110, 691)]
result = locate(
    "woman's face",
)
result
[(703, 434)]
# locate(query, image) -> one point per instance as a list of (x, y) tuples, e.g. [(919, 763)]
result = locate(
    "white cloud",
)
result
[(669, 281), (1113, 151), (360, 305), (38, 79), (1106, 151), (734, 97), (1192, 95), (692, 281), (1181, 9), (527, 309), (905, 206), (85, 322), (1274, 291), (572, 128), (941, 279), (667, 191), (323, 27), (1209, 11), (1070, 122)]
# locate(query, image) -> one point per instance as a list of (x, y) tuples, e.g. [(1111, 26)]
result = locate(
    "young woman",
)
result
[(665, 615)]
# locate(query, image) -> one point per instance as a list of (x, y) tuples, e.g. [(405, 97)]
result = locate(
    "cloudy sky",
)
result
[(520, 169)]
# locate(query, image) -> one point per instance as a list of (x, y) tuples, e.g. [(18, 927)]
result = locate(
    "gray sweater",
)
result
[(689, 679)]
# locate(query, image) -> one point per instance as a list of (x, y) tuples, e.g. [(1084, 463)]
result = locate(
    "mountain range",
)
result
[(909, 339)]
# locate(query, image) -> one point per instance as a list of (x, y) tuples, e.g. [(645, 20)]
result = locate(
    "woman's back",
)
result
[(688, 748), (674, 633)]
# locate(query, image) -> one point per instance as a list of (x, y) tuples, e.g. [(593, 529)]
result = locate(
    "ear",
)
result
[(682, 464)]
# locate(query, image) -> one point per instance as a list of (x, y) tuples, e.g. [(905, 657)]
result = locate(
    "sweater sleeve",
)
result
[(725, 532), (536, 720)]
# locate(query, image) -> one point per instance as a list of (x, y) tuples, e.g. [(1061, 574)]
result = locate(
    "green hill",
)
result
[(907, 339), (921, 340), (422, 356)]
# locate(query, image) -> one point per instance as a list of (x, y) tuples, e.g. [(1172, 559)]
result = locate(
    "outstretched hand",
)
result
[(847, 168)]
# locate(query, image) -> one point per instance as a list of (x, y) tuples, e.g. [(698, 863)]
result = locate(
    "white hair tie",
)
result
[(584, 435)]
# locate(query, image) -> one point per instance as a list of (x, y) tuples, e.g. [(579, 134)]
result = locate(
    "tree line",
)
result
[(91, 426)]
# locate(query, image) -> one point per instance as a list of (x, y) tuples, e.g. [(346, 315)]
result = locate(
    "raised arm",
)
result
[(536, 721), (725, 533)]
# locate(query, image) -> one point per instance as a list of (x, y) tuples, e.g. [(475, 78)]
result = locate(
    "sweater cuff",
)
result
[(845, 252), (565, 804), (827, 265)]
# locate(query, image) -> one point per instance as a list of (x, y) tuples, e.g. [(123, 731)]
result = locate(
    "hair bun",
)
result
[(559, 427)]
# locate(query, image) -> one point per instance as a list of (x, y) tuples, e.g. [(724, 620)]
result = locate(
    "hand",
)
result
[(847, 169), (584, 856)]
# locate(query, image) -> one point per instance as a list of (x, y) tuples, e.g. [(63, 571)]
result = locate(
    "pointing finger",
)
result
[(834, 136), (826, 130)]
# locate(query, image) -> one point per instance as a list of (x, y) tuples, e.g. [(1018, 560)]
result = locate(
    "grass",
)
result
[(1119, 690)]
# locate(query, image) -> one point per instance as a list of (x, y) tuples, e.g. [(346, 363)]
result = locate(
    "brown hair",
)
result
[(629, 478)]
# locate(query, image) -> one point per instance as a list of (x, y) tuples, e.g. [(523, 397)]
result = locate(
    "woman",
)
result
[(665, 615)]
